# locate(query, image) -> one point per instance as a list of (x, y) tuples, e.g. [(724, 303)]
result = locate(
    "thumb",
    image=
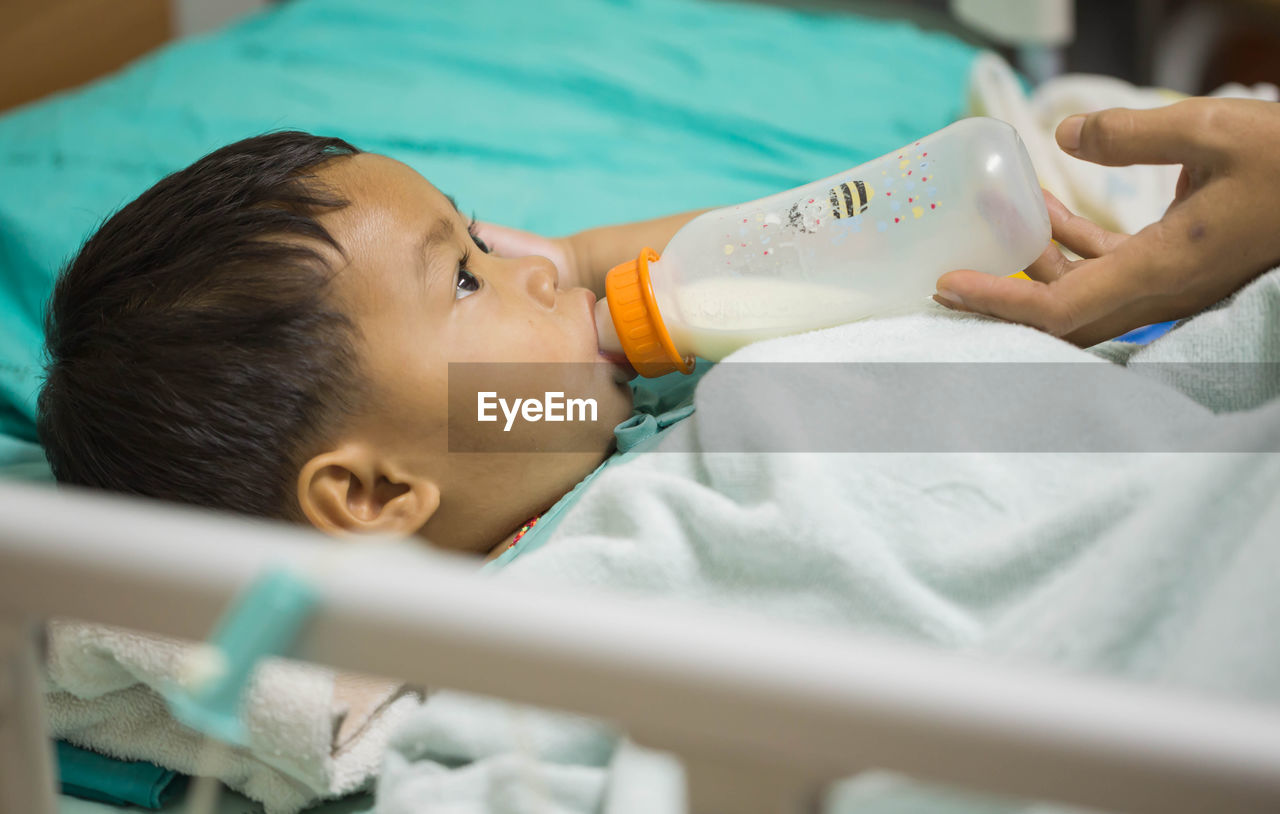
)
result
[(1175, 134)]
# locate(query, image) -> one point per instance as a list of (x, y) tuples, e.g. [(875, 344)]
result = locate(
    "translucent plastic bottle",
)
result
[(869, 241)]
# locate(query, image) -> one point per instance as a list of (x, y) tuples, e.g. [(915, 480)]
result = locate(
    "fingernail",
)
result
[(1069, 133), (948, 298)]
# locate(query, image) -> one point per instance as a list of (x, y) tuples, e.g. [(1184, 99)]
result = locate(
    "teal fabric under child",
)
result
[(22, 460), (552, 116), (92, 776), (657, 404)]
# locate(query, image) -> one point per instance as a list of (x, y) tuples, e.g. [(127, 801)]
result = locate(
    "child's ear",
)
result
[(351, 490)]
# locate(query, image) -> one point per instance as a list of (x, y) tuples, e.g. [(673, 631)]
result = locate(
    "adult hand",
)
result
[(507, 242), (1221, 231)]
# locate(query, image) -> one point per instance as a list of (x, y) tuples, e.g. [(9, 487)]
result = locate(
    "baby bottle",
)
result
[(869, 241)]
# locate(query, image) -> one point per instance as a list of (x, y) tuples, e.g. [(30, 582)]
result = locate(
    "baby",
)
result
[(270, 330)]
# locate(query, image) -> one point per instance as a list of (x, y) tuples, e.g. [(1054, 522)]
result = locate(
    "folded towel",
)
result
[(313, 734)]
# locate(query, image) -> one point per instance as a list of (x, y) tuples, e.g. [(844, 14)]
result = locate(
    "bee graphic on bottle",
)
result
[(843, 201)]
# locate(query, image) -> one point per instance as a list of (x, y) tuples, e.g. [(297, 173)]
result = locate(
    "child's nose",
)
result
[(539, 277)]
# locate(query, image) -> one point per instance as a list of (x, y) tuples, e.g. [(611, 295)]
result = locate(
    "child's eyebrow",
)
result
[(439, 233)]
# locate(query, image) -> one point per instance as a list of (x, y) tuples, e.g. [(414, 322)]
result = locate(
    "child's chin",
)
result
[(622, 369)]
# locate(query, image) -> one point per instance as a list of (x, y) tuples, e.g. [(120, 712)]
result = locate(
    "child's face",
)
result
[(416, 309)]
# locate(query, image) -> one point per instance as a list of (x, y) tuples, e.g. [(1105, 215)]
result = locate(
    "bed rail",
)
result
[(762, 714)]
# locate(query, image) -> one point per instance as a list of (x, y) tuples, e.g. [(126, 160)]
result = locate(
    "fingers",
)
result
[(1190, 258), (1049, 266), (1116, 324), (1175, 134), (1061, 297), (1080, 235), (1049, 310), (1024, 301), (1093, 291), (489, 234), (1184, 186), (501, 240)]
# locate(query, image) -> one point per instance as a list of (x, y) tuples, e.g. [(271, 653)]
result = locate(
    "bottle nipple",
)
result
[(606, 332)]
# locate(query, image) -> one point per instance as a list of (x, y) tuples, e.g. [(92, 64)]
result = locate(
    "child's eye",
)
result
[(467, 284)]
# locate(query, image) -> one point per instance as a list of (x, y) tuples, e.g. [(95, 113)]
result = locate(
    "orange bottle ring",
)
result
[(638, 322)]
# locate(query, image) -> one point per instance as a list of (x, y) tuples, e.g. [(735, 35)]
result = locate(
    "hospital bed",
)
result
[(821, 706), (620, 111)]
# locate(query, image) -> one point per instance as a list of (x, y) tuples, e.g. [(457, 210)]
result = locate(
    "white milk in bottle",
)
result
[(866, 242)]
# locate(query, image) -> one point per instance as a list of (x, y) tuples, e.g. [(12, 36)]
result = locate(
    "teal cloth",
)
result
[(552, 116), (92, 776), (22, 460), (657, 405)]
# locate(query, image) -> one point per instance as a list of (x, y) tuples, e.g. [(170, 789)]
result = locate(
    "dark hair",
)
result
[(193, 353)]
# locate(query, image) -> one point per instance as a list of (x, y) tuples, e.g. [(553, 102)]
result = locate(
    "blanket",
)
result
[(313, 734), (1152, 563)]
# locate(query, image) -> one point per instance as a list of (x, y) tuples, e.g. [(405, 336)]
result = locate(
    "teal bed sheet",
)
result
[(551, 116), (228, 802)]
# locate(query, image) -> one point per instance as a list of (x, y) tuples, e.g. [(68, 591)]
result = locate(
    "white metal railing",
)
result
[(763, 714)]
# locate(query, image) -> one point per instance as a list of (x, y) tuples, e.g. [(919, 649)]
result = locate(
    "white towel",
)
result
[(313, 734), (1124, 199)]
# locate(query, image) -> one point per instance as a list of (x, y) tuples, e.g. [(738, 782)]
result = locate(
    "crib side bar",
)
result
[(27, 775), (818, 704)]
